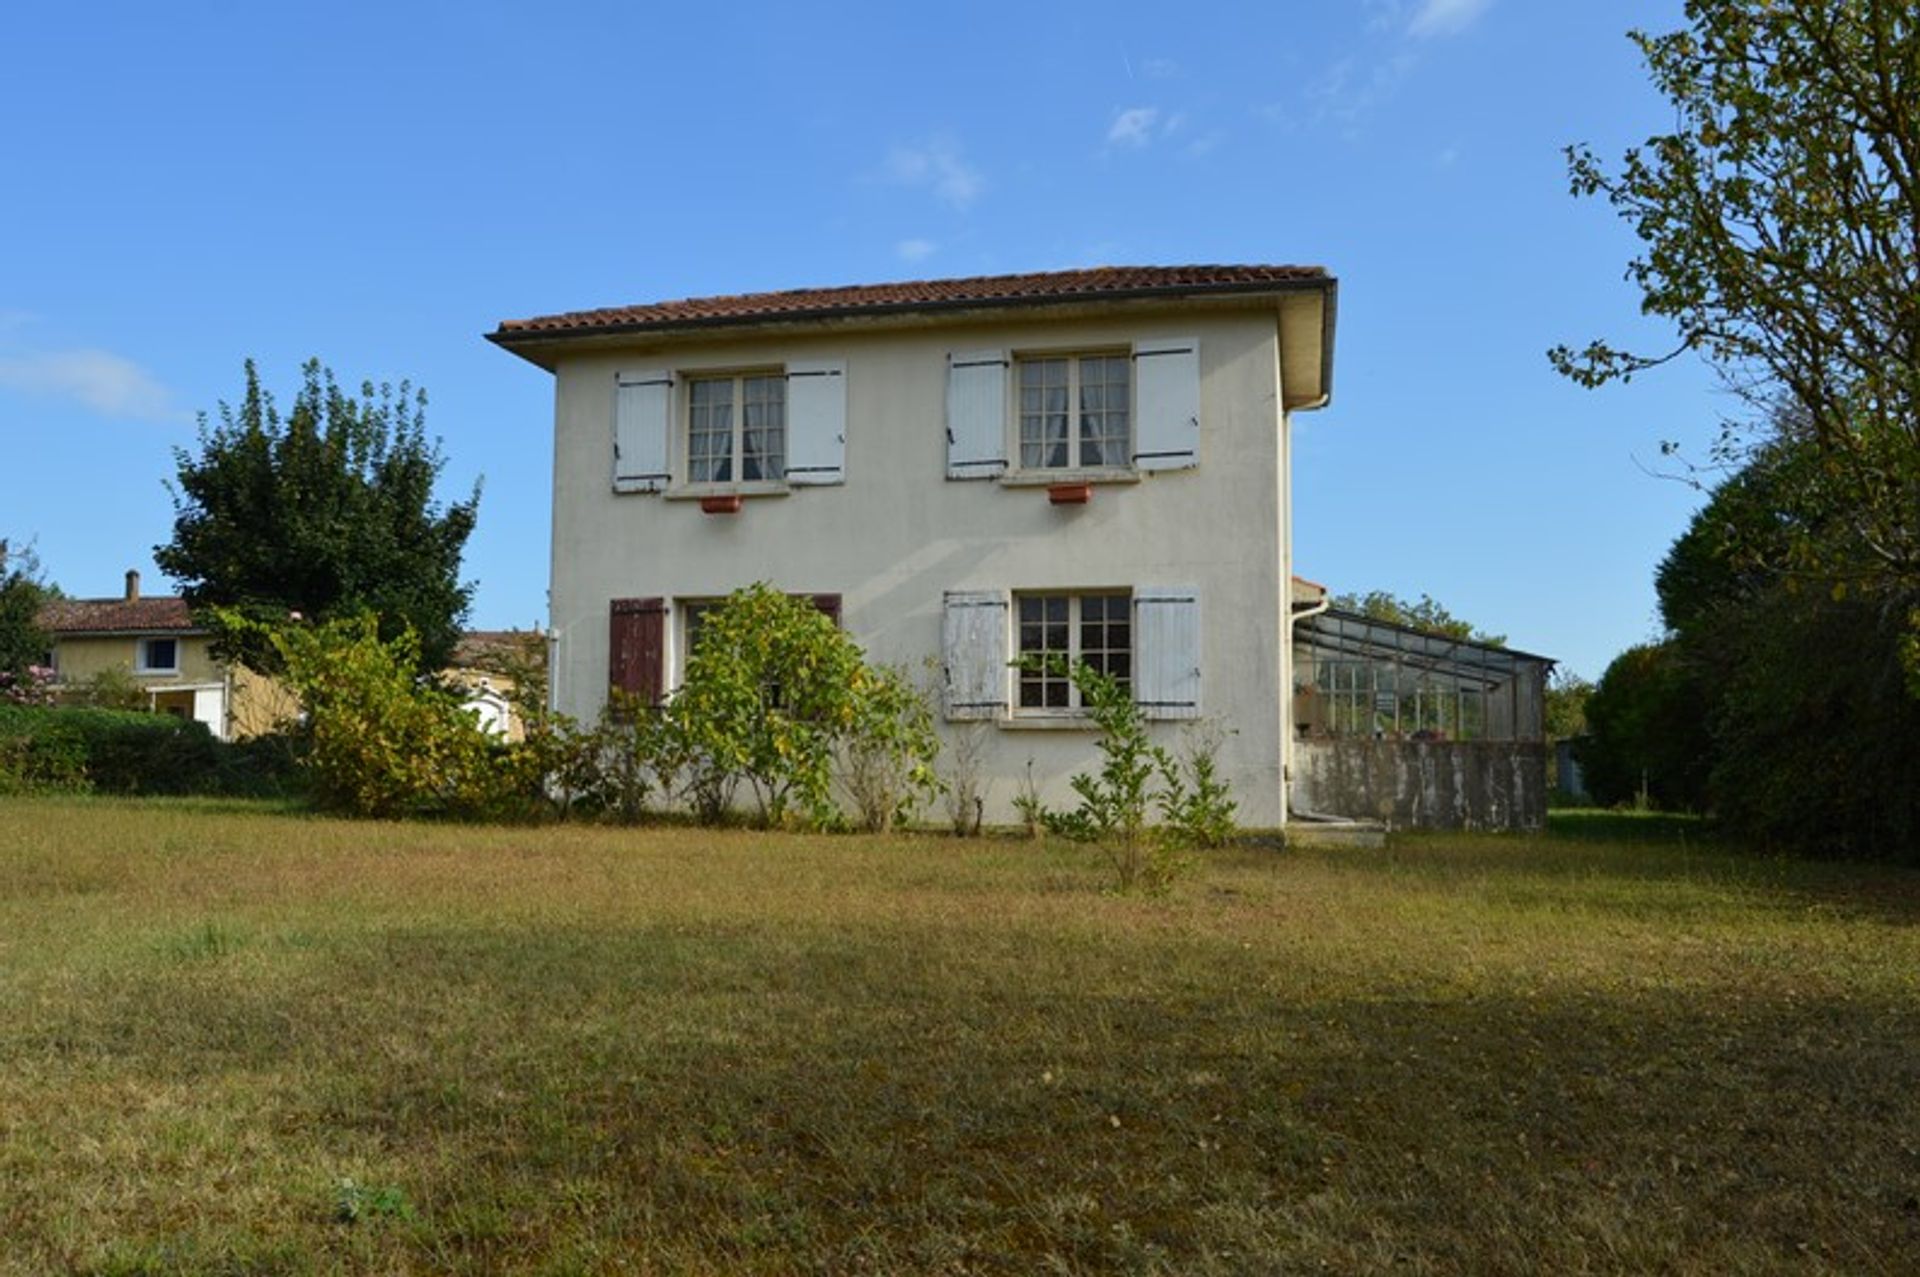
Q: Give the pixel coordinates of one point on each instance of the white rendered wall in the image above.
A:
(898, 533)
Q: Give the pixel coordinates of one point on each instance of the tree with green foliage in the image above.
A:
(326, 511)
(382, 740)
(23, 643)
(775, 693)
(1424, 614)
(1647, 739)
(1781, 225)
(1567, 697)
(1812, 745)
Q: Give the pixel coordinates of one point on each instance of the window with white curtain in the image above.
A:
(737, 428)
(1075, 412)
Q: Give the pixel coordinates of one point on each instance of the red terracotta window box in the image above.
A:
(1070, 493)
(730, 503)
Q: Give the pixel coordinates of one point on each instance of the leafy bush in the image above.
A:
(113, 687)
(1195, 801)
(1647, 740)
(887, 751)
(117, 752)
(1134, 774)
(382, 740)
(777, 696)
(32, 685)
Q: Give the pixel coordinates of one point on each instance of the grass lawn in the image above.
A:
(236, 1040)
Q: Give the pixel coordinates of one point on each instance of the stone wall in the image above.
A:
(1493, 785)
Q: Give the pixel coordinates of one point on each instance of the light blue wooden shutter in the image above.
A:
(974, 649)
(817, 421)
(1166, 636)
(643, 406)
(976, 414)
(1166, 433)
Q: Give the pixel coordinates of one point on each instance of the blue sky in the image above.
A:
(191, 184)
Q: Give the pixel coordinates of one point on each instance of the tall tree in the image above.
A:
(23, 644)
(1781, 222)
(327, 510)
(1810, 744)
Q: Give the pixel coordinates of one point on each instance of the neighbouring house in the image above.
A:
(1413, 729)
(155, 641)
(1091, 463)
(487, 668)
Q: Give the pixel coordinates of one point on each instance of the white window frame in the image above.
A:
(1074, 653)
(736, 456)
(143, 665)
(1075, 464)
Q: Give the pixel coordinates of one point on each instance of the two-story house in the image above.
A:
(1090, 463)
(153, 640)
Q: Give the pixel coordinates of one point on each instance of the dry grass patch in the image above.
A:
(243, 1041)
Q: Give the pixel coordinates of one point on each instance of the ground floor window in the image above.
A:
(1095, 628)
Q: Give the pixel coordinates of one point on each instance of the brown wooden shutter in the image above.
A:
(637, 650)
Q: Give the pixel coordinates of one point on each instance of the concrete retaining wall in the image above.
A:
(1497, 785)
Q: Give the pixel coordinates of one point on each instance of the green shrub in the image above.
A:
(113, 687)
(381, 739)
(1647, 740)
(887, 751)
(117, 752)
(778, 697)
(1195, 805)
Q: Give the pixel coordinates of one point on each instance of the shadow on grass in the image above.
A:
(851, 1113)
(1601, 824)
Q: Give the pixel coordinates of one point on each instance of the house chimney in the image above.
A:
(133, 585)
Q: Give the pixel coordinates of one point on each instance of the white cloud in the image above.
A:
(109, 384)
(914, 250)
(1445, 17)
(1347, 92)
(1206, 144)
(1160, 69)
(936, 165)
(1133, 126)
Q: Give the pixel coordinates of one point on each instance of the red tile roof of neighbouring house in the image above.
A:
(488, 649)
(1095, 283)
(162, 613)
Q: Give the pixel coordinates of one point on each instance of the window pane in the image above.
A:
(1104, 635)
(1044, 633)
(1043, 413)
(763, 423)
(710, 431)
(1103, 411)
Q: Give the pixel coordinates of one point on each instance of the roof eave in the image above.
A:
(541, 347)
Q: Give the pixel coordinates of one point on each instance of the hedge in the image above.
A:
(118, 752)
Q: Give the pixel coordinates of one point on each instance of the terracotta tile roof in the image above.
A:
(117, 616)
(487, 649)
(932, 294)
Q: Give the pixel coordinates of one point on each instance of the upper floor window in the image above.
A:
(159, 656)
(1075, 412)
(737, 428)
